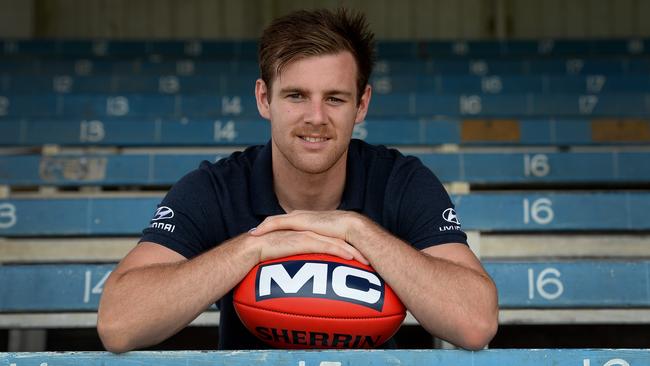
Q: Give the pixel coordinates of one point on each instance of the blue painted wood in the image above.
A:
(496, 357)
(141, 169)
(238, 84)
(392, 49)
(532, 167)
(554, 211)
(133, 131)
(477, 211)
(82, 216)
(475, 168)
(553, 66)
(521, 284)
(48, 288)
(115, 48)
(575, 284)
(396, 105)
(231, 130)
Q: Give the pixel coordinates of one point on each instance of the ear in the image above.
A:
(362, 109)
(262, 98)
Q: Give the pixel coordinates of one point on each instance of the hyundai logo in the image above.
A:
(450, 216)
(163, 213)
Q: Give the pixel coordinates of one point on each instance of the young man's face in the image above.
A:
(313, 111)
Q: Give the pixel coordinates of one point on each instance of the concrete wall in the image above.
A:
(16, 18)
(390, 19)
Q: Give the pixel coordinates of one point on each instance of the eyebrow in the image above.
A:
(291, 89)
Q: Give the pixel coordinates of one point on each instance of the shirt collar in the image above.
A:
(265, 202)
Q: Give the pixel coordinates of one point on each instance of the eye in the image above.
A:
(335, 100)
(295, 96)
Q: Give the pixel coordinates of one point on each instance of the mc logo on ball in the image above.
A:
(329, 280)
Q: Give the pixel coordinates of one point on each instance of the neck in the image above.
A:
(299, 190)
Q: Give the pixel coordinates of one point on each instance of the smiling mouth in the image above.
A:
(314, 139)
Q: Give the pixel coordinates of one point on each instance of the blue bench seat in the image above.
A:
(243, 85)
(125, 214)
(521, 285)
(159, 169)
(232, 130)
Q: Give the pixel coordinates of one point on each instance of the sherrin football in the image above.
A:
(318, 301)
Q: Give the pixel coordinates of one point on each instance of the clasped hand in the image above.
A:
(300, 232)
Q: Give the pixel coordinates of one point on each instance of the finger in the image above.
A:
(280, 222)
(359, 257)
(288, 243)
(302, 243)
(354, 252)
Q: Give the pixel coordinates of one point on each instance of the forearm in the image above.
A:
(449, 300)
(146, 305)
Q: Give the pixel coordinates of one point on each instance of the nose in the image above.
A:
(315, 115)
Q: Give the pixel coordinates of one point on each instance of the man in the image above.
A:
(311, 189)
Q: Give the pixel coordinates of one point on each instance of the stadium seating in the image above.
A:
(152, 131)
(385, 49)
(564, 284)
(126, 214)
(164, 168)
(549, 140)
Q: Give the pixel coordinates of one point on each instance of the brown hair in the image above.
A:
(318, 32)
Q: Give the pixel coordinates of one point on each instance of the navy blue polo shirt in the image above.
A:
(221, 200)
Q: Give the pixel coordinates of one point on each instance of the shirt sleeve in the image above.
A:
(426, 215)
(181, 221)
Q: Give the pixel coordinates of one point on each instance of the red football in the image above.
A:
(318, 301)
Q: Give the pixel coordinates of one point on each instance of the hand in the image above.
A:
(282, 243)
(341, 225)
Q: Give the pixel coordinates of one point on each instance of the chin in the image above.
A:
(313, 167)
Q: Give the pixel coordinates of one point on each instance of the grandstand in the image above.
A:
(543, 145)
